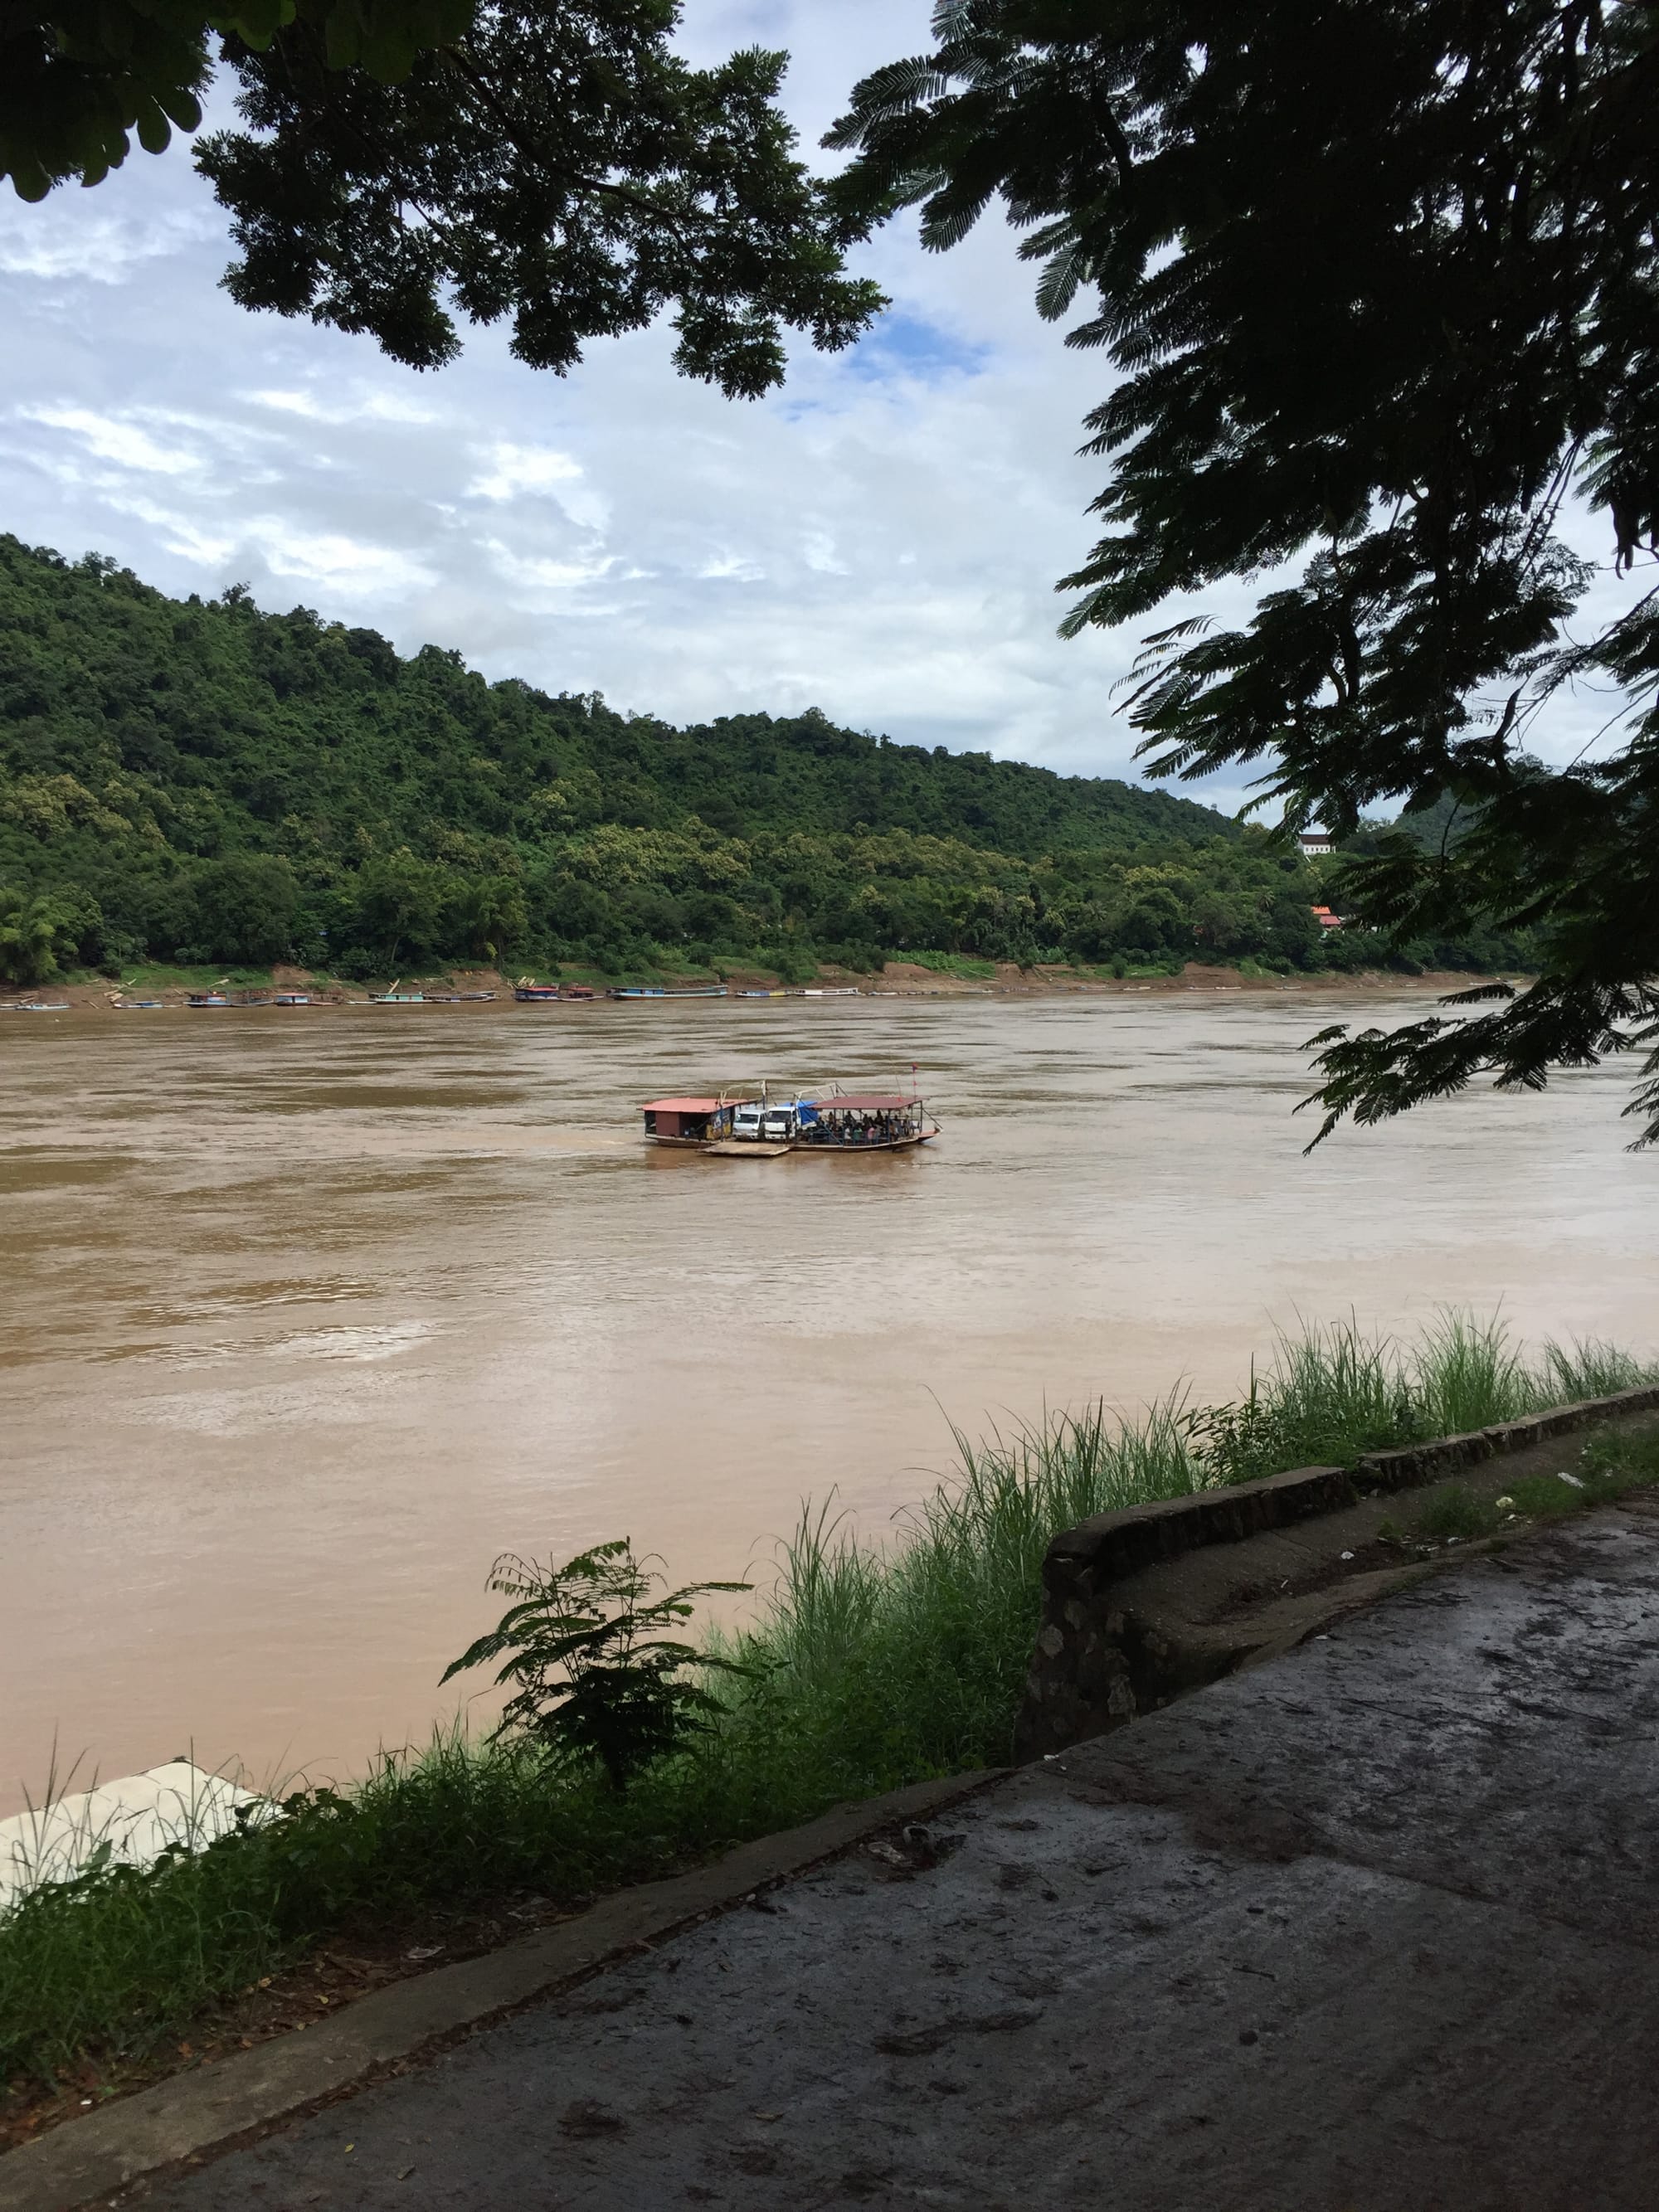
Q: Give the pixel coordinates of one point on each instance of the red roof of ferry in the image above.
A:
(680, 1105)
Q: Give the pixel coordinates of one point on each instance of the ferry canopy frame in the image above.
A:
(866, 1102)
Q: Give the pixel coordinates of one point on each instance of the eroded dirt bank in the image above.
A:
(901, 978)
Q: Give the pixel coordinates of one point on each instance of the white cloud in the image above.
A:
(368, 405)
(345, 562)
(293, 403)
(177, 534)
(730, 568)
(110, 438)
(64, 241)
(818, 551)
(513, 470)
(555, 575)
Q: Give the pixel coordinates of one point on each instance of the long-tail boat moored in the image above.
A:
(688, 1121)
(207, 998)
(536, 994)
(661, 991)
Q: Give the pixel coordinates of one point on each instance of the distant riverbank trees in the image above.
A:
(204, 782)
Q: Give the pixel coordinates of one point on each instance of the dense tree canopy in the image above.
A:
(1380, 281)
(552, 162)
(559, 166)
(79, 79)
(195, 782)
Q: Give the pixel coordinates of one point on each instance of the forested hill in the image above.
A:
(195, 780)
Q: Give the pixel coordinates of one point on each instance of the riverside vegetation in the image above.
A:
(866, 1666)
(192, 782)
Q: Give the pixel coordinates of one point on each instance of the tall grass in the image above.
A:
(1331, 1391)
(877, 1663)
(898, 1661)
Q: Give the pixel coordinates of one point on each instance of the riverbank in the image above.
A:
(951, 978)
(875, 1667)
(1362, 1928)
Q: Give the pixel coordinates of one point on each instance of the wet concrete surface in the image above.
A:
(1372, 1927)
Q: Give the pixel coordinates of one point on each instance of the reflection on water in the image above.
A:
(304, 1319)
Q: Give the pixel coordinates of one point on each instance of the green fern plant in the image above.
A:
(597, 1679)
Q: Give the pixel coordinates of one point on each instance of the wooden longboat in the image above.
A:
(864, 1122)
(661, 991)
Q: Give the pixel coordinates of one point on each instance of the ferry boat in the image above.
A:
(839, 1122)
(207, 998)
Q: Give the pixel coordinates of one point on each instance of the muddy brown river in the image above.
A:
(307, 1314)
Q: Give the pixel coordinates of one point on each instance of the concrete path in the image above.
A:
(1375, 1926)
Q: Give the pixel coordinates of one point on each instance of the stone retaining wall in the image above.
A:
(1081, 1681)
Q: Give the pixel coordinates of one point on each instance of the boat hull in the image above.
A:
(764, 1148)
(884, 1144)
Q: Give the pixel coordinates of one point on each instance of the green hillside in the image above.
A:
(205, 781)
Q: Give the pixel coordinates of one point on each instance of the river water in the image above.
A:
(307, 1314)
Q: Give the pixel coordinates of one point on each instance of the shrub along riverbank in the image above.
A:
(872, 1665)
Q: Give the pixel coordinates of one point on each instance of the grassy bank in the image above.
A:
(877, 1664)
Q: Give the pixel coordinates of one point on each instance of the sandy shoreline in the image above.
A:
(902, 979)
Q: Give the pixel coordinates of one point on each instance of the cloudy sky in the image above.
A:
(880, 539)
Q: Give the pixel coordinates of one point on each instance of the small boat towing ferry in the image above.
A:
(764, 1128)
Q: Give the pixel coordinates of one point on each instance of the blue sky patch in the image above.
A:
(907, 344)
